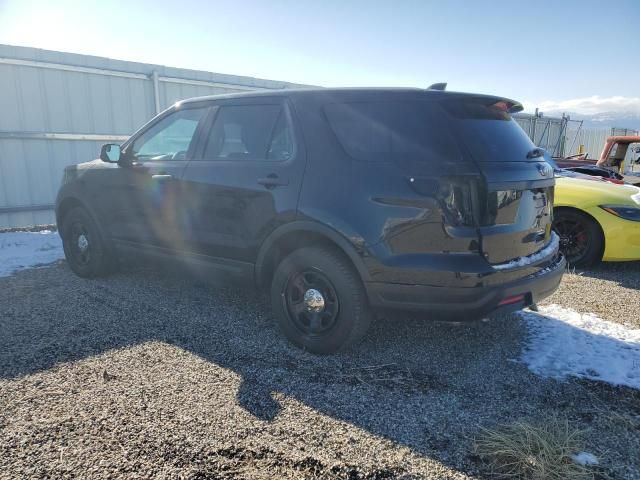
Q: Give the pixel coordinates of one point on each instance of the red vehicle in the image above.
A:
(614, 151)
(609, 166)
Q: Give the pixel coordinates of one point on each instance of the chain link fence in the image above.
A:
(549, 133)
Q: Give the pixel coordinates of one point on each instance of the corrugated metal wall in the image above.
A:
(592, 140)
(57, 109)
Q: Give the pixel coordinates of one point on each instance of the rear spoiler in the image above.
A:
(480, 106)
(509, 106)
(503, 104)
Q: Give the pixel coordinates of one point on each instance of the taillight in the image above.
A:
(511, 300)
(457, 205)
(455, 196)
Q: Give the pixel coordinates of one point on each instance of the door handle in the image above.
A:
(162, 176)
(272, 181)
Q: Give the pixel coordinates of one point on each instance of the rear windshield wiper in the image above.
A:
(535, 153)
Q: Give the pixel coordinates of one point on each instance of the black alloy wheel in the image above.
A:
(80, 244)
(319, 300)
(311, 302)
(84, 247)
(581, 238)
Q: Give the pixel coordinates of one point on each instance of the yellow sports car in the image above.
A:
(596, 220)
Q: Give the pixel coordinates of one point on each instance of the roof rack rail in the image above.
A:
(438, 86)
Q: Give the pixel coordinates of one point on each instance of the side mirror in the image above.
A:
(110, 153)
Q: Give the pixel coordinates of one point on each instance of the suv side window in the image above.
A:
(170, 138)
(391, 130)
(250, 132)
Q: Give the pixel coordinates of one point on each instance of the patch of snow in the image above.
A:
(541, 254)
(20, 250)
(585, 458)
(563, 342)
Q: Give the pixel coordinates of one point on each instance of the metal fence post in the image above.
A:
(533, 127)
(156, 91)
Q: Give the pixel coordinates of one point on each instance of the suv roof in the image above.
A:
(345, 93)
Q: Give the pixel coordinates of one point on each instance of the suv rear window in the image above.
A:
(489, 131)
(378, 131)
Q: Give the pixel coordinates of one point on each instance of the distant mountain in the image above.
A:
(609, 119)
(596, 111)
(602, 120)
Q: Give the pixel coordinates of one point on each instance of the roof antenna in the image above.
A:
(438, 86)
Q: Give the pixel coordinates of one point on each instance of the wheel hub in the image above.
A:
(574, 240)
(83, 243)
(313, 301)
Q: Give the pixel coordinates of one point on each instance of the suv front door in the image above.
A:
(245, 178)
(151, 180)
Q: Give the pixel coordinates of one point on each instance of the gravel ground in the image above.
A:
(150, 374)
(610, 290)
(33, 228)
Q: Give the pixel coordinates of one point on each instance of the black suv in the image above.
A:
(340, 201)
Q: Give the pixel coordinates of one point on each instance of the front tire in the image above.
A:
(581, 238)
(319, 301)
(84, 247)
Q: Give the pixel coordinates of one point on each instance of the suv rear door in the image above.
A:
(245, 178)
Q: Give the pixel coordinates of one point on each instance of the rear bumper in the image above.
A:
(469, 303)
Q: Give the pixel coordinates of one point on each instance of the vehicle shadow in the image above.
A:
(625, 274)
(409, 381)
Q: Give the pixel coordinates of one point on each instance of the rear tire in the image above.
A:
(581, 238)
(84, 247)
(336, 319)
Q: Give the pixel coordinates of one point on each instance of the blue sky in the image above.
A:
(555, 54)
